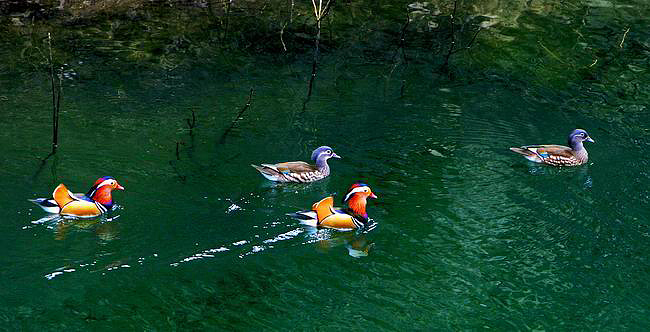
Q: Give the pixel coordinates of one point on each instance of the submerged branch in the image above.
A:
(239, 115)
(550, 52)
(56, 98)
(56, 107)
(319, 14)
(445, 65)
(191, 124)
(467, 47)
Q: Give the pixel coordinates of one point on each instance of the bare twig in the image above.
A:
(622, 40)
(239, 115)
(227, 25)
(178, 144)
(284, 46)
(191, 124)
(314, 69)
(470, 42)
(180, 176)
(56, 98)
(319, 14)
(550, 52)
(56, 106)
(453, 36)
(402, 39)
(400, 50)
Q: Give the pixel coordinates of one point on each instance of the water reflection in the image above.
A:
(356, 243)
(103, 226)
(579, 174)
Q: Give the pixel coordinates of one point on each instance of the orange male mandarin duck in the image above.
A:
(96, 201)
(353, 216)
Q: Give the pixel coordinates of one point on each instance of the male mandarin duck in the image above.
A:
(558, 155)
(95, 202)
(300, 171)
(353, 216)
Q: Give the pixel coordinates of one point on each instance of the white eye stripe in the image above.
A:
(355, 190)
(105, 183)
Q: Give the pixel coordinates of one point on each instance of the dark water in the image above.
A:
(469, 236)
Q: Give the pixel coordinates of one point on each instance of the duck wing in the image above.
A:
(292, 167)
(293, 171)
(49, 205)
(541, 153)
(74, 206)
(330, 217)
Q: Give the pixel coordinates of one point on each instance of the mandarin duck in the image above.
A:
(352, 216)
(559, 155)
(299, 171)
(95, 202)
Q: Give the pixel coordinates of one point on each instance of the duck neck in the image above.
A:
(103, 196)
(322, 165)
(579, 151)
(357, 205)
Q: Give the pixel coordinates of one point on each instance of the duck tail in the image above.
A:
(258, 168)
(303, 215)
(62, 195)
(267, 172)
(523, 151)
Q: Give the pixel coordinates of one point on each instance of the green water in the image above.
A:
(469, 236)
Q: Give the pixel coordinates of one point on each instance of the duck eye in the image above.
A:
(328, 151)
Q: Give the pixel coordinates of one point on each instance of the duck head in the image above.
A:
(323, 153)
(356, 198)
(101, 190)
(577, 137)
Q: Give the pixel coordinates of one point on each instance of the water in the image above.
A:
(469, 235)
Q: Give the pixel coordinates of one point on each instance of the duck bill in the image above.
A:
(589, 139)
(334, 155)
(119, 187)
(372, 195)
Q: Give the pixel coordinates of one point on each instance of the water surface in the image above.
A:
(469, 236)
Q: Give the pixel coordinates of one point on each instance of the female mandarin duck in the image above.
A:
(95, 202)
(353, 216)
(558, 155)
(300, 171)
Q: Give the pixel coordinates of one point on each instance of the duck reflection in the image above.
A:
(102, 226)
(356, 243)
(581, 174)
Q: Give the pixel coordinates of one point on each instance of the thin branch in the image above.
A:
(402, 39)
(550, 52)
(191, 124)
(180, 176)
(453, 35)
(239, 115)
(622, 40)
(56, 98)
(178, 144)
(319, 13)
(284, 46)
(470, 42)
